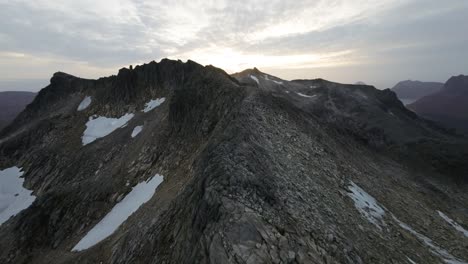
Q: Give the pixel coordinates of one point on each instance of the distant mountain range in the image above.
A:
(11, 104)
(449, 106)
(410, 91)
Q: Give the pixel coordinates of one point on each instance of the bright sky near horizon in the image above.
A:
(377, 42)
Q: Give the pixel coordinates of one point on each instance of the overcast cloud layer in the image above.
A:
(378, 42)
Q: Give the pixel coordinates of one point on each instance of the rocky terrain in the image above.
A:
(449, 106)
(175, 162)
(11, 104)
(410, 91)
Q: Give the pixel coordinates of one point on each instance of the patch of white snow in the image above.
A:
(84, 104)
(152, 104)
(102, 126)
(453, 224)
(268, 79)
(255, 79)
(436, 250)
(13, 196)
(411, 261)
(140, 194)
(136, 131)
(366, 205)
(305, 95)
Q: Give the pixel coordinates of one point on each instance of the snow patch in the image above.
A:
(152, 104)
(366, 205)
(140, 194)
(305, 95)
(136, 131)
(255, 79)
(84, 104)
(313, 86)
(102, 126)
(453, 224)
(13, 196)
(268, 79)
(436, 250)
(411, 261)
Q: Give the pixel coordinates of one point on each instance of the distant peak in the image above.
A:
(60, 74)
(254, 70)
(61, 77)
(457, 84)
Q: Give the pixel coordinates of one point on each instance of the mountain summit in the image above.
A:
(175, 162)
(410, 91)
(449, 106)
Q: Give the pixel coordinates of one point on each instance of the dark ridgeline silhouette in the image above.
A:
(449, 106)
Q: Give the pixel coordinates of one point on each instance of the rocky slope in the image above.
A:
(449, 106)
(11, 104)
(256, 170)
(410, 91)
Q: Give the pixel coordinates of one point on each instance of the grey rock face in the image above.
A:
(256, 170)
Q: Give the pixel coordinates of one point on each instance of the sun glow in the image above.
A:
(233, 61)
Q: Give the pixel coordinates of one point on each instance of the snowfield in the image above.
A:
(453, 224)
(102, 126)
(152, 104)
(85, 103)
(13, 196)
(140, 194)
(366, 205)
(255, 79)
(136, 131)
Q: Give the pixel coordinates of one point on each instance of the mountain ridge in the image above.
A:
(448, 106)
(256, 169)
(410, 91)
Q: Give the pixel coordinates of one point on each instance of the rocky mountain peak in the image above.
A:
(176, 162)
(457, 84)
(409, 91)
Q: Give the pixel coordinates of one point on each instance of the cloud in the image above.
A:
(94, 38)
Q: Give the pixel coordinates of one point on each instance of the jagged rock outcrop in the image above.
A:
(256, 170)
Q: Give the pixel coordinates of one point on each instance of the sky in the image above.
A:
(379, 42)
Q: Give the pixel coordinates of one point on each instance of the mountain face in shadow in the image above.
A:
(449, 106)
(174, 162)
(410, 91)
(11, 104)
